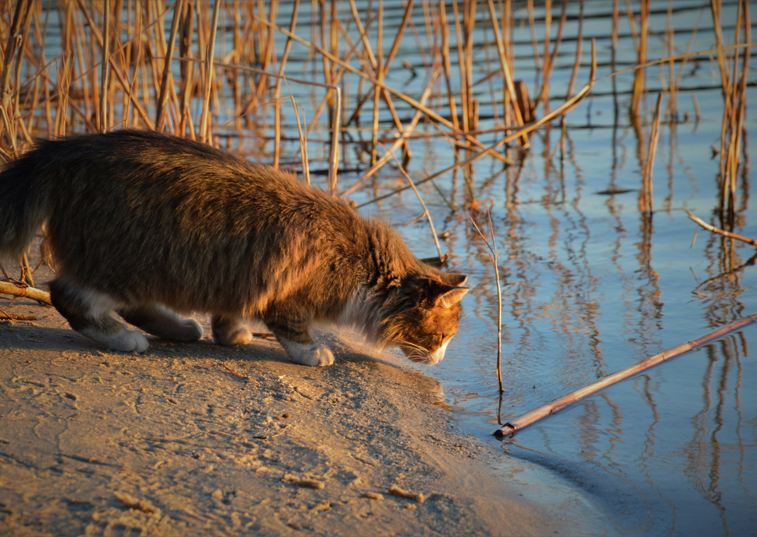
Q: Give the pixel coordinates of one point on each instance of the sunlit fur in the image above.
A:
(143, 224)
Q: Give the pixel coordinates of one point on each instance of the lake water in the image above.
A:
(590, 284)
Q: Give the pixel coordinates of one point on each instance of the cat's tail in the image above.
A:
(24, 204)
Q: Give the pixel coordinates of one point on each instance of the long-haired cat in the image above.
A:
(144, 224)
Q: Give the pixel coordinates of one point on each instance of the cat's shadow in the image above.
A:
(47, 344)
(33, 338)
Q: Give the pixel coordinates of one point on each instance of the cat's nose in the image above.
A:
(438, 355)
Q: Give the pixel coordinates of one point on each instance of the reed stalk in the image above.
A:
(379, 78)
(426, 213)
(646, 194)
(641, 52)
(105, 69)
(734, 96)
(6, 95)
(277, 92)
(722, 232)
(178, 12)
(205, 134)
(25, 291)
(187, 70)
(509, 83)
(303, 145)
(494, 256)
(529, 418)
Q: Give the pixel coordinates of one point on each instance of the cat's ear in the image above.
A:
(456, 280)
(449, 296)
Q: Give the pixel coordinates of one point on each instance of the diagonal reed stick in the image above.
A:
(510, 428)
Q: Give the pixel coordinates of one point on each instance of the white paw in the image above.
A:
(192, 330)
(240, 336)
(128, 341)
(314, 355)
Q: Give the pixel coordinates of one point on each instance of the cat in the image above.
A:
(145, 224)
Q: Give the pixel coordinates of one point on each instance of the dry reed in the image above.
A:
(494, 256)
(531, 417)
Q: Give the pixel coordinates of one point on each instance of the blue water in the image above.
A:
(591, 287)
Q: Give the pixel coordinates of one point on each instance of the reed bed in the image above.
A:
(116, 67)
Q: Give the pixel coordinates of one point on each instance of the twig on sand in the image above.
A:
(510, 428)
(5, 316)
(10, 288)
(719, 231)
(243, 377)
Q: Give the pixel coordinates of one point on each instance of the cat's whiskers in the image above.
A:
(417, 353)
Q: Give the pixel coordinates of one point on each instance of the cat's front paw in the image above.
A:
(191, 330)
(314, 355)
(321, 356)
(232, 338)
(128, 341)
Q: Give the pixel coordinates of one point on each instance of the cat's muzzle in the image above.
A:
(423, 356)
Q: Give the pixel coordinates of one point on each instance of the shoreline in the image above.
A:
(198, 439)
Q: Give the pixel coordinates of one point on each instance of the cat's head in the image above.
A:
(422, 315)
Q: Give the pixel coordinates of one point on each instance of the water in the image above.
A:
(590, 284)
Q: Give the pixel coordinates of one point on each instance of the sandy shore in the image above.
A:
(197, 439)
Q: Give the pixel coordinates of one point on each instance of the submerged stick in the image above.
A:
(511, 427)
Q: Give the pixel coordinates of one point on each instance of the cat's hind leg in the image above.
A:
(299, 346)
(162, 322)
(230, 330)
(89, 312)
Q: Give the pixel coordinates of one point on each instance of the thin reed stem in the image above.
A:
(205, 134)
(494, 256)
(646, 201)
(178, 12)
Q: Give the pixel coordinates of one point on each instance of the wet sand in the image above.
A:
(197, 439)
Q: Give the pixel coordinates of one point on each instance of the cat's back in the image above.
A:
(164, 179)
(130, 159)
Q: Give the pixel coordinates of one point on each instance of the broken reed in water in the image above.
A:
(511, 427)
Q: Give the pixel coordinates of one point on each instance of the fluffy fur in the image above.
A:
(145, 224)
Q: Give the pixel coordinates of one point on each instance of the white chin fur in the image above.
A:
(430, 358)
